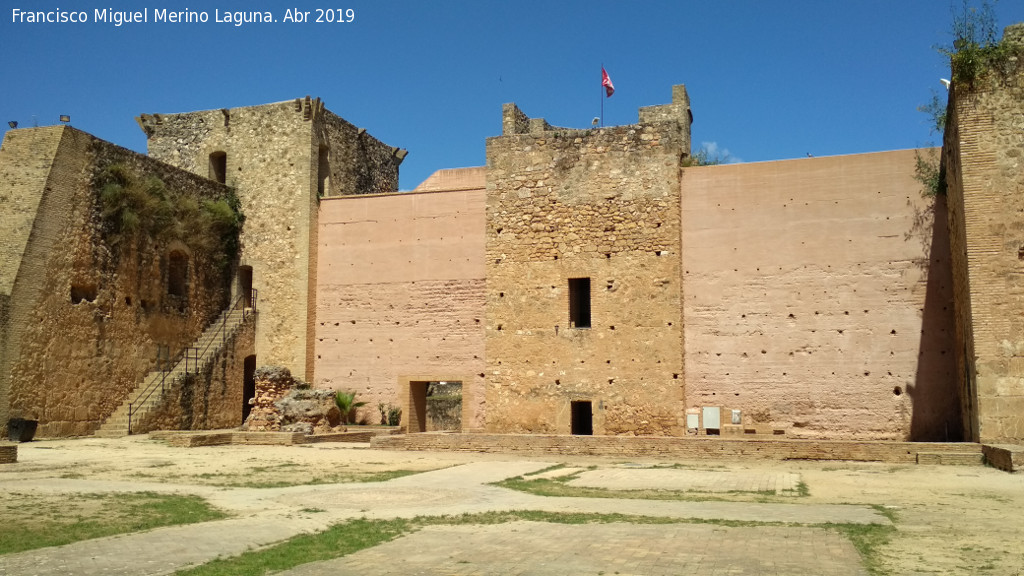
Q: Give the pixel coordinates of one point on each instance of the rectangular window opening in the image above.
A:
(579, 302)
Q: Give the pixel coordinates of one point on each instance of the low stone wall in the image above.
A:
(1005, 457)
(195, 440)
(353, 436)
(8, 453)
(690, 448)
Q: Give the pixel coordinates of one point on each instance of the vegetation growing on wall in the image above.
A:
(136, 209)
(929, 171)
(706, 157)
(976, 49)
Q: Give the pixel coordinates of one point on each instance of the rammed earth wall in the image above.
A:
(818, 298)
(401, 292)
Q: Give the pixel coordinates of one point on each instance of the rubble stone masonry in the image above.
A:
(983, 156)
(82, 321)
(601, 204)
(281, 158)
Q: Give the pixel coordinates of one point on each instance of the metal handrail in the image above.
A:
(192, 354)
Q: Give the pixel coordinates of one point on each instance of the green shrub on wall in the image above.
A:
(976, 50)
(136, 210)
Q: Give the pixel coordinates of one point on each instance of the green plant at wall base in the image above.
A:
(346, 403)
(390, 415)
(394, 415)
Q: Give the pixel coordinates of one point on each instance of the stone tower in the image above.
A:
(281, 159)
(584, 286)
(983, 154)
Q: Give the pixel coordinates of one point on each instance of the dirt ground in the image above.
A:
(949, 519)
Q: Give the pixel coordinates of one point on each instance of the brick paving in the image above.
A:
(265, 516)
(543, 549)
(687, 480)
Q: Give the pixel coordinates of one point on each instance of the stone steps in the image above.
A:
(973, 458)
(150, 393)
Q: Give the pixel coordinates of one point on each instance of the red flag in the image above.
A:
(609, 88)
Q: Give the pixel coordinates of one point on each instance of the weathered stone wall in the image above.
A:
(400, 292)
(284, 404)
(819, 298)
(601, 204)
(268, 161)
(359, 163)
(211, 399)
(273, 159)
(26, 158)
(85, 319)
(983, 152)
(272, 384)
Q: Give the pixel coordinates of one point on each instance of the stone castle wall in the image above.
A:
(86, 319)
(26, 159)
(212, 399)
(982, 155)
(401, 292)
(818, 298)
(268, 161)
(274, 160)
(359, 163)
(601, 204)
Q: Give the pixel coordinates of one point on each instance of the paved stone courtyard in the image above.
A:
(544, 549)
(728, 526)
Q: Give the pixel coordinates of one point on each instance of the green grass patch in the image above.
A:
(868, 539)
(558, 487)
(802, 490)
(32, 521)
(353, 536)
(276, 476)
(234, 481)
(337, 541)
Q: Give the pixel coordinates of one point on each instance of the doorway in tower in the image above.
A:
(582, 418)
(248, 385)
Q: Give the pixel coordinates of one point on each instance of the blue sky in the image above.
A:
(767, 80)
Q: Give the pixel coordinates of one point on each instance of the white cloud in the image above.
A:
(723, 154)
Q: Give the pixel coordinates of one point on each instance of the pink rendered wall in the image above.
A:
(400, 292)
(818, 299)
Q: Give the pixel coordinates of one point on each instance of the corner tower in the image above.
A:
(985, 184)
(281, 159)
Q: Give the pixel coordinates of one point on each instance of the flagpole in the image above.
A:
(602, 95)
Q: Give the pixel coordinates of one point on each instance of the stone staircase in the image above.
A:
(150, 393)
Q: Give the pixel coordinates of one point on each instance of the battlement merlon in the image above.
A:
(678, 110)
(514, 121)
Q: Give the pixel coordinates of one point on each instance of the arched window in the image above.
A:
(219, 167)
